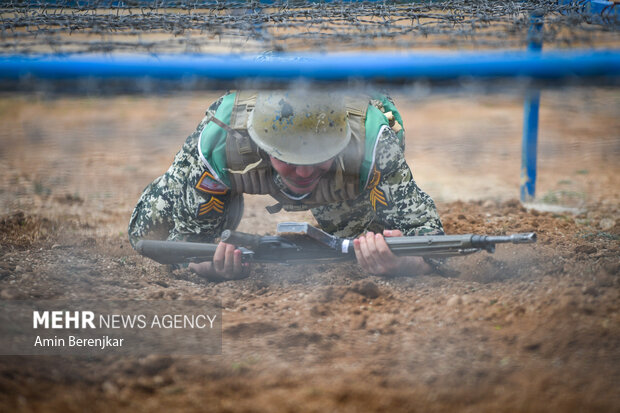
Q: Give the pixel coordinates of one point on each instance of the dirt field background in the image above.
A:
(530, 328)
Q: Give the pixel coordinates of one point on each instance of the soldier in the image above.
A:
(340, 157)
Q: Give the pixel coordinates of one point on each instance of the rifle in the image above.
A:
(298, 242)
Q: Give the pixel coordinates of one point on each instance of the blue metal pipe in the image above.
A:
(389, 67)
(529, 149)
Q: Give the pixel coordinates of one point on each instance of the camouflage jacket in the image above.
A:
(184, 203)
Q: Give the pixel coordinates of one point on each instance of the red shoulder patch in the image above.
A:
(208, 184)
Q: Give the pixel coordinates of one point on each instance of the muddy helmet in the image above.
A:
(300, 127)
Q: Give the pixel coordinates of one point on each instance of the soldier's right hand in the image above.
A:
(226, 265)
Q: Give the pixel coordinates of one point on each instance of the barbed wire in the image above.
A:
(191, 26)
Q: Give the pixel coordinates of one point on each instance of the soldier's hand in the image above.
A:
(374, 255)
(226, 265)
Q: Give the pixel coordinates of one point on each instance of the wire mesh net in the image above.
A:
(190, 26)
(463, 137)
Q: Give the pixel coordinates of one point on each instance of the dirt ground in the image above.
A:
(529, 328)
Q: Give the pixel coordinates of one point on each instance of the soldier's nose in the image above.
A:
(304, 171)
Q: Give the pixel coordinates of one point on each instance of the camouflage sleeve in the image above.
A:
(397, 200)
(174, 207)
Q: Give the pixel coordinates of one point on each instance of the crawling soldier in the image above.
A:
(339, 156)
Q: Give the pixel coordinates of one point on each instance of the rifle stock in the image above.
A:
(176, 252)
(301, 242)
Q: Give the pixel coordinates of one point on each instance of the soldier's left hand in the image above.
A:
(374, 255)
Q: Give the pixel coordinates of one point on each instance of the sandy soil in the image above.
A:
(530, 328)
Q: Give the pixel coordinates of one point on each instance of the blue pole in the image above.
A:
(557, 64)
(529, 147)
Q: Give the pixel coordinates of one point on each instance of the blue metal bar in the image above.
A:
(529, 150)
(387, 67)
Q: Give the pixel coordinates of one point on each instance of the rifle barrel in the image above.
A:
(522, 238)
(453, 244)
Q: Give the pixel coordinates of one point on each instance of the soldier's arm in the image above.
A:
(165, 208)
(176, 207)
(400, 206)
(398, 201)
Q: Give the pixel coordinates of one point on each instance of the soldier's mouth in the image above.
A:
(303, 184)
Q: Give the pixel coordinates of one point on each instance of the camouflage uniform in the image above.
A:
(170, 206)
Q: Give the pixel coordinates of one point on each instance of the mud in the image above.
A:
(529, 328)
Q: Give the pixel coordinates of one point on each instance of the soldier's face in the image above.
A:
(301, 179)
